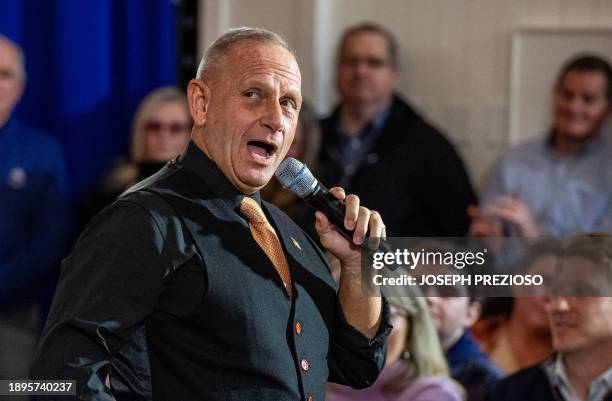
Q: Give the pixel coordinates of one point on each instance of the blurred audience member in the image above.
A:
(160, 132)
(518, 338)
(581, 326)
(415, 369)
(377, 147)
(518, 335)
(305, 147)
(559, 184)
(453, 315)
(34, 218)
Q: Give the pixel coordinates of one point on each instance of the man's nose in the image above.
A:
(558, 304)
(362, 68)
(575, 104)
(273, 116)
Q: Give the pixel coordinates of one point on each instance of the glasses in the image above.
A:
(174, 128)
(371, 62)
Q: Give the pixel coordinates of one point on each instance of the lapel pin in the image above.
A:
(297, 244)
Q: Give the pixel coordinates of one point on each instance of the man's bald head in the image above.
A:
(245, 104)
(210, 62)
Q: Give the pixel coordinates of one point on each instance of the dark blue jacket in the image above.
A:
(529, 384)
(471, 367)
(34, 223)
(411, 175)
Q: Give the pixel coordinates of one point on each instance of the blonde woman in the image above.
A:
(161, 127)
(416, 369)
(160, 131)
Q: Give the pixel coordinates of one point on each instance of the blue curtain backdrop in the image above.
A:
(89, 63)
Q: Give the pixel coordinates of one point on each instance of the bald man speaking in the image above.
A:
(190, 287)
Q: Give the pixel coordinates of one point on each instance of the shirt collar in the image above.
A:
(555, 370)
(557, 373)
(8, 134)
(372, 128)
(193, 159)
(603, 383)
(598, 142)
(595, 144)
(381, 118)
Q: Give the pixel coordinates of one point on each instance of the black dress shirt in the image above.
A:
(168, 294)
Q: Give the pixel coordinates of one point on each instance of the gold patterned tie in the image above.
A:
(266, 237)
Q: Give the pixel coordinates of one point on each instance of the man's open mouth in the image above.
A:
(261, 148)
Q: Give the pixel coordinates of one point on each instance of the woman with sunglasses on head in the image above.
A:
(161, 130)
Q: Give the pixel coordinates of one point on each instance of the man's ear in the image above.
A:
(198, 98)
(474, 309)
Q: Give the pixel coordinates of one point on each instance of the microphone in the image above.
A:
(297, 178)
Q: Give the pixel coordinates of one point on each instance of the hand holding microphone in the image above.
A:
(351, 220)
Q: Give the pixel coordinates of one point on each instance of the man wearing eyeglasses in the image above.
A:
(379, 148)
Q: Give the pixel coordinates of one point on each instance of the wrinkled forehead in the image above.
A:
(252, 58)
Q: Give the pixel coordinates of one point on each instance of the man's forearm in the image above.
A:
(362, 311)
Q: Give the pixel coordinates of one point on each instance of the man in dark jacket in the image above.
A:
(581, 327)
(379, 148)
(189, 287)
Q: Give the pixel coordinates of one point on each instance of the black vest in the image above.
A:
(249, 347)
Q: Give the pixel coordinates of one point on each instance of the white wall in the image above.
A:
(455, 53)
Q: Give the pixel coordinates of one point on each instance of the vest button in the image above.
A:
(298, 327)
(305, 365)
(309, 398)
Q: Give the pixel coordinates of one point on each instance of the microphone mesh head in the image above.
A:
(295, 176)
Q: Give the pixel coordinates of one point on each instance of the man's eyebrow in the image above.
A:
(292, 90)
(255, 82)
(296, 94)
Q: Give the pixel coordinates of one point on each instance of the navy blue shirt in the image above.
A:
(33, 216)
(471, 367)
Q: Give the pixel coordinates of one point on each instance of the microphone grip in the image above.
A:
(322, 200)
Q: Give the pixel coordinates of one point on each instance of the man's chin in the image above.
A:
(564, 345)
(253, 183)
(579, 134)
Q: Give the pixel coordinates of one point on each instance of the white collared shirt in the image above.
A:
(557, 374)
